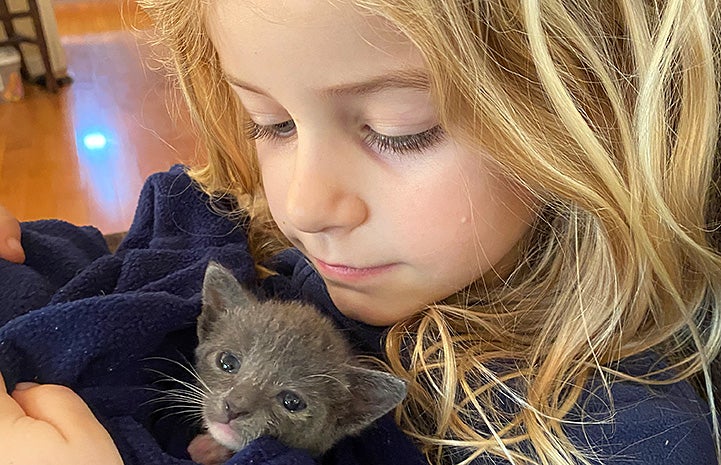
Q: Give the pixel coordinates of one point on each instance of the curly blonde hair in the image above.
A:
(607, 111)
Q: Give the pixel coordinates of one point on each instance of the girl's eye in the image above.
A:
(291, 401)
(390, 145)
(401, 145)
(228, 362)
(257, 131)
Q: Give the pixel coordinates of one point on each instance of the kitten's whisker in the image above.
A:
(183, 394)
(178, 396)
(186, 418)
(181, 408)
(199, 394)
(151, 389)
(190, 386)
(198, 403)
(183, 399)
(189, 369)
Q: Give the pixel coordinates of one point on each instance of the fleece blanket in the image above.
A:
(112, 326)
(107, 324)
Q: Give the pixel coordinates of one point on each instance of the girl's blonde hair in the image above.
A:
(607, 111)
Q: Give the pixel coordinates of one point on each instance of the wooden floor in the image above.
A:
(82, 154)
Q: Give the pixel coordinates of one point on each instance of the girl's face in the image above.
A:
(392, 212)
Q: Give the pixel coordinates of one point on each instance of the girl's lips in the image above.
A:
(349, 273)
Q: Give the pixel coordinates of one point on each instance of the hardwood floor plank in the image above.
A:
(80, 17)
(83, 154)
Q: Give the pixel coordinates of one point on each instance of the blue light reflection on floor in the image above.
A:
(98, 149)
(95, 141)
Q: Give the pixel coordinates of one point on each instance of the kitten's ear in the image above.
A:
(375, 393)
(221, 292)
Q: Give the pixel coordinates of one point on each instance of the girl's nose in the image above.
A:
(322, 195)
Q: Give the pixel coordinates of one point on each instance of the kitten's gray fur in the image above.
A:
(282, 347)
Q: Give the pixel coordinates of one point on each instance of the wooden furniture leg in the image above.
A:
(15, 39)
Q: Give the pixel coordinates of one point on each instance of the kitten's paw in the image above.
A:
(205, 450)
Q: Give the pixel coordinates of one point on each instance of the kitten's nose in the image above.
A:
(233, 412)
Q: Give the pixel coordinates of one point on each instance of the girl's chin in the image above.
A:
(368, 309)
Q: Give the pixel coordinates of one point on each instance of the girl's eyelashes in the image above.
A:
(257, 131)
(401, 145)
(381, 143)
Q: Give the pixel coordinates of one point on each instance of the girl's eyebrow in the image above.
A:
(397, 79)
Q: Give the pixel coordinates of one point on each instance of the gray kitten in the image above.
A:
(278, 369)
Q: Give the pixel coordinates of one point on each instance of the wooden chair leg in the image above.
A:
(6, 19)
(9, 27)
(51, 82)
(14, 39)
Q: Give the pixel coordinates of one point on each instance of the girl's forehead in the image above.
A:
(319, 42)
(310, 12)
(329, 17)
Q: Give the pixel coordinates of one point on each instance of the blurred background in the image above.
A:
(81, 153)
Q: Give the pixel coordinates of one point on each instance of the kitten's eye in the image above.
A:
(291, 401)
(228, 362)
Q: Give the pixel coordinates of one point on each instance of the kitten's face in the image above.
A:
(282, 370)
(271, 371)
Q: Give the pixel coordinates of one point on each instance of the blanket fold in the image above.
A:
(114, 327)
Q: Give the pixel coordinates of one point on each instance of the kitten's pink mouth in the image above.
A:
(224, 434)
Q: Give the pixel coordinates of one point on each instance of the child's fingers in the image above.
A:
(60, 407)
(3, 388)
(10, 247)
(69, 428)
(13, 251)
(9, 408)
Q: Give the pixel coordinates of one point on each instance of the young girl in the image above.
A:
(521, 193)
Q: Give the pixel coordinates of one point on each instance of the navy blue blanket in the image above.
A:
(106, 324)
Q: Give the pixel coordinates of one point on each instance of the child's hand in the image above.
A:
(51, 424)
(10, 248)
